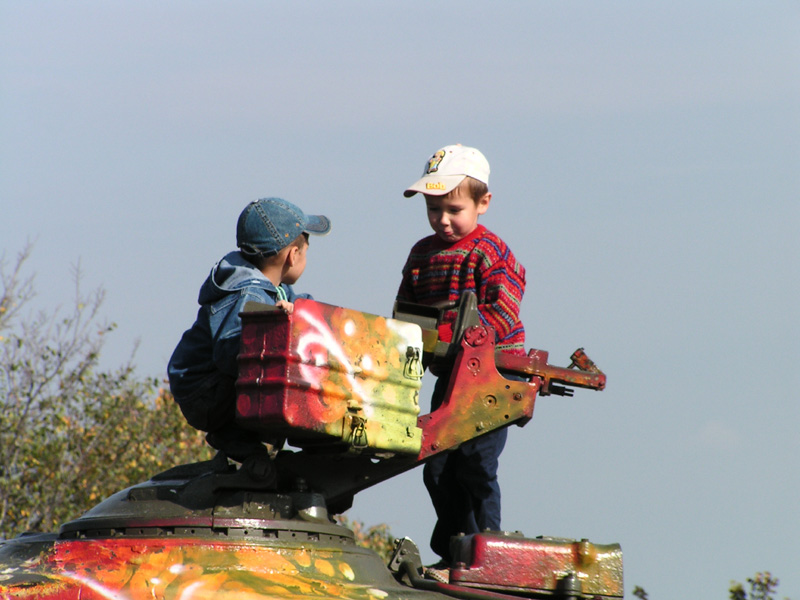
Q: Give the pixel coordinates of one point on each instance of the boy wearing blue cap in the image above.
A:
(272, 236)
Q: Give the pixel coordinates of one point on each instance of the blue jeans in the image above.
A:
(463, 484)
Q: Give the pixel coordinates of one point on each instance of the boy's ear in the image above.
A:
(483, 202)
(291, 255)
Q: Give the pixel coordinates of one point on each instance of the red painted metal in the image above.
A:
(478, 398)
(512, 563)
(327, 374)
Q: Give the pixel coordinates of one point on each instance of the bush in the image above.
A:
(377, 538)
(70, 432)
(762, 587)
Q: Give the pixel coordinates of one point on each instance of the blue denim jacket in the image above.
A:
(207, 351)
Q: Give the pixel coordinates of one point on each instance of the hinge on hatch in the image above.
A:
(358, 432)
(413, 367)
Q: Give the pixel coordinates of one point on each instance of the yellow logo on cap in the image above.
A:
(434, 162)
(434, 186)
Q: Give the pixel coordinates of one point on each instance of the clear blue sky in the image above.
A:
(645, 168)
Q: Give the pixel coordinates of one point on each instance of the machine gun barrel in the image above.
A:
(582, 372)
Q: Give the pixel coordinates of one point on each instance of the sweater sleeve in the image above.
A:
(499, 286)
(500, 296)
(406, 290)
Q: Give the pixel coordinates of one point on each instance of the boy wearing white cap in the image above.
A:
(272, 236)
(463, 256)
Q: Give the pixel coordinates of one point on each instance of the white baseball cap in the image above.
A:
(447, 168)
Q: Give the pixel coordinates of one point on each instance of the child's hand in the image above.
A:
(287, 307)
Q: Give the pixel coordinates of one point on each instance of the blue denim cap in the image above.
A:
(268, 225)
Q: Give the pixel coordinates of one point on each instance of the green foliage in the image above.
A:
(762, 587)
(639, 592)
(71, 433)
(377, 538)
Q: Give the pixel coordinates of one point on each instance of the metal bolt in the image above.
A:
(476, 335)
(569, 586)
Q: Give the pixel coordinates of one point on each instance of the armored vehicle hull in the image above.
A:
(263, 528)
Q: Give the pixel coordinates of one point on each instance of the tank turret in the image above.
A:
(342, 387)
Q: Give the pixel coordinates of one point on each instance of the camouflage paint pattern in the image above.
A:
(326, 373)
(183, 569)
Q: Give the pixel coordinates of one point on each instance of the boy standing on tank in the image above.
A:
(463, 256)
(272, 236)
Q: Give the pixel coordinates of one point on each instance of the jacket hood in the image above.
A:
(231, 273)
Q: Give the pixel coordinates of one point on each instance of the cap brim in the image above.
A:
(317, 225)
(434, 185)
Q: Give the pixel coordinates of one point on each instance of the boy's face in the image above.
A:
(454, 216)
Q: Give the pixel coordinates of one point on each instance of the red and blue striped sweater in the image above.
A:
(436, 273)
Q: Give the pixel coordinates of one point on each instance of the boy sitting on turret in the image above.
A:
(272, 236)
